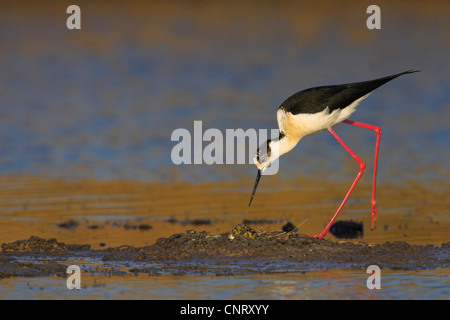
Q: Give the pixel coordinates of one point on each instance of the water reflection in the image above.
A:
(336, 284)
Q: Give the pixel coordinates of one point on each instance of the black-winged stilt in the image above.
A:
(318, 109)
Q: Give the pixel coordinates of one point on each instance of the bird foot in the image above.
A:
(373, 206)
(319, 236)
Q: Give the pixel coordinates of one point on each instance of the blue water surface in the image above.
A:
(103, 101)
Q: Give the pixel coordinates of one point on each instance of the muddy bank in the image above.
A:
(240, 251)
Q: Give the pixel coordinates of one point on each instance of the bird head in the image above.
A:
(268, 153)
(264, 156)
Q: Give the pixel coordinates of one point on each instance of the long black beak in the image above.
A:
(258, 176)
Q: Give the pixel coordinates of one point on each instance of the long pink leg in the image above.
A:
(377, 130)
(362, 166)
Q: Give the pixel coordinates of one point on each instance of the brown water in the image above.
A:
(86, 119)
(112, 213)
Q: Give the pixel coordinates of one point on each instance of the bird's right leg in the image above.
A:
(377, 147)
(362, 167)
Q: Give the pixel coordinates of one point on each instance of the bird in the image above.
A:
(319, 109)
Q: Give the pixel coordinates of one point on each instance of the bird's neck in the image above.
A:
(283, 145)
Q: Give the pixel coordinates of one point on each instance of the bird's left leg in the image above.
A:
(377, 130)
(362, 166)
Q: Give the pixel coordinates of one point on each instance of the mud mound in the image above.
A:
(37, 244)
(242, 250)
(242, 241)
(294, 246)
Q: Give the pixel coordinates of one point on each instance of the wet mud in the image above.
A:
(242, 250)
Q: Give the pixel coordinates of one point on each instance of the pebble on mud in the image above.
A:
(142, 227)
(288, 227)
(69, 224)
(347, 229)
(242, 230)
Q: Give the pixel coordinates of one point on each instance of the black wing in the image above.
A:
(316, 99)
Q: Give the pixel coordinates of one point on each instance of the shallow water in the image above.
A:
(112, 213)
(332, 284)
